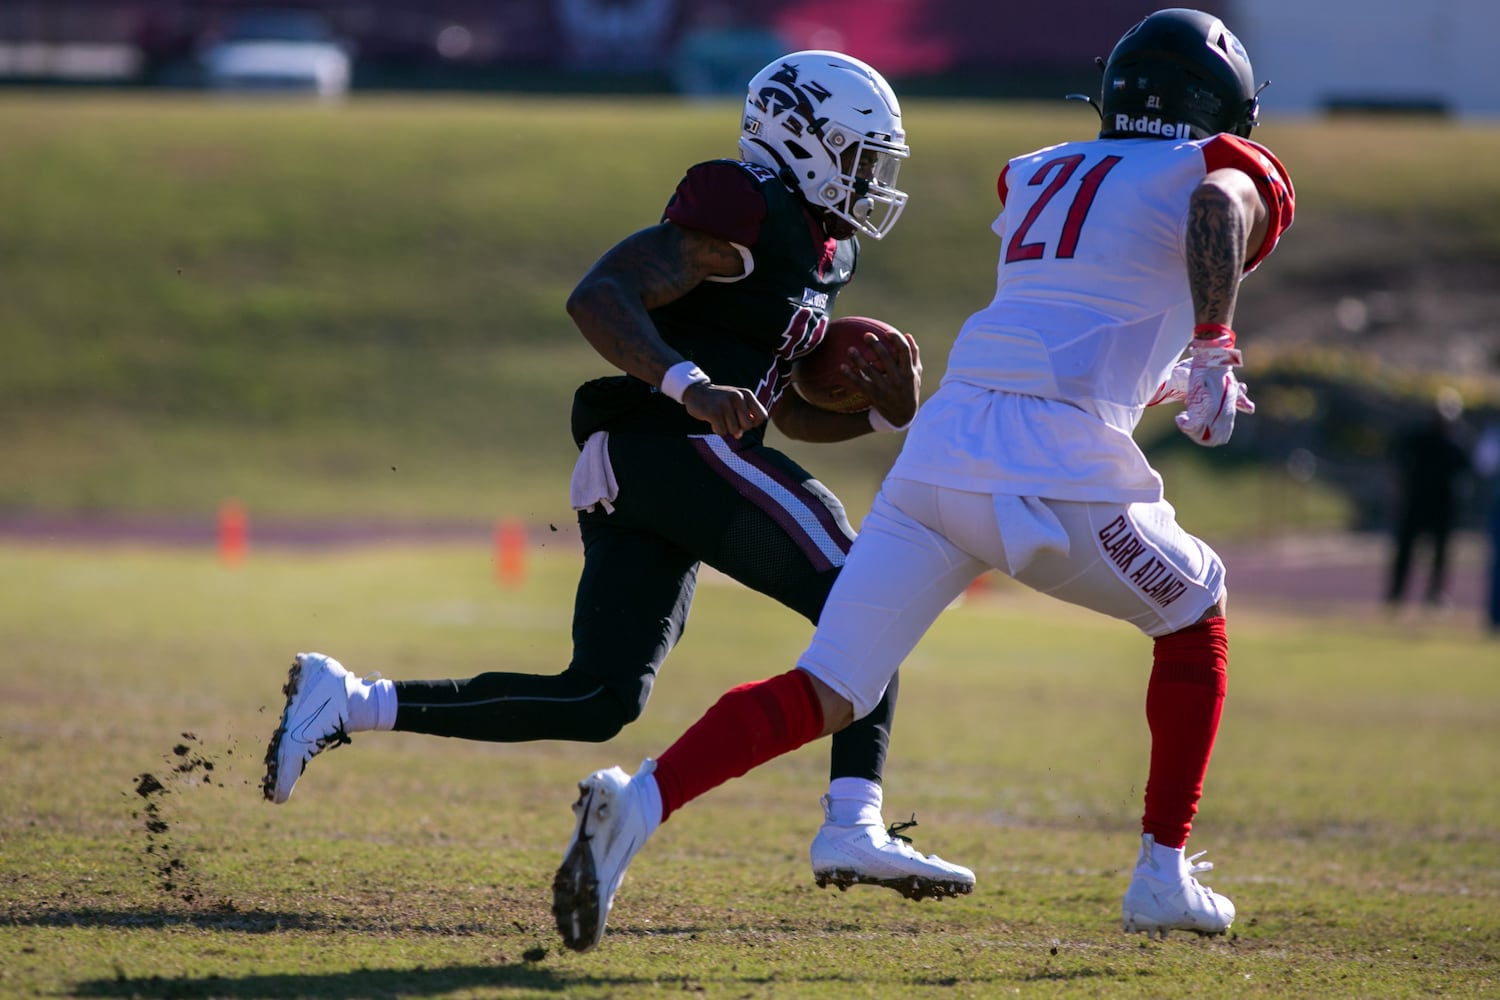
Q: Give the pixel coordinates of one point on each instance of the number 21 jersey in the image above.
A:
(1091, 310)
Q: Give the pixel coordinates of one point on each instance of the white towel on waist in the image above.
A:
(593, 478)
(1027, 526)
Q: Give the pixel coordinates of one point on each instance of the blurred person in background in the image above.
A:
(1431, 462)
(1117, 254)
(1487, 467)
(704, 313)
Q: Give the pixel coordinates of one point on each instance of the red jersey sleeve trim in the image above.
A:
(1270, 177)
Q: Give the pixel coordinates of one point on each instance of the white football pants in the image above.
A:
(922, 545)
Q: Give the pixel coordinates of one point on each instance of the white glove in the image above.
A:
(1175, 389)
(1213, 393)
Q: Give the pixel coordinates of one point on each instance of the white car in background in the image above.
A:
(278, 52)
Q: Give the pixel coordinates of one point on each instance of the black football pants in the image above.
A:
(749, 512)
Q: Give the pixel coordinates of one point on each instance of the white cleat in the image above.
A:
(869, 854)
(612, 827)
(316, 717)
(1161, 900)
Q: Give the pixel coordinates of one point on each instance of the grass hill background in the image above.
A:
(358, 311)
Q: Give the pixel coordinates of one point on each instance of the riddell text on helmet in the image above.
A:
(1152, 126)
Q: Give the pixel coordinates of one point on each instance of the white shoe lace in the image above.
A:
(1194, 866)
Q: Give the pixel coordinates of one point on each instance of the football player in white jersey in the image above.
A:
(1117, 256)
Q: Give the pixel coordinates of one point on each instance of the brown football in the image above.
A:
(816, 375)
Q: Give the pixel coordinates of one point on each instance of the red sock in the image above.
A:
(1183, 702)
(748, 726)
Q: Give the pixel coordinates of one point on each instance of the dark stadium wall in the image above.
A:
(979, 46)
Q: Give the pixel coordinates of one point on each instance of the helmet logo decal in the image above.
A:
(789, 97)
(1236, 45)
(1200, 99)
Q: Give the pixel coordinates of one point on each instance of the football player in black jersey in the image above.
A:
(704, 313)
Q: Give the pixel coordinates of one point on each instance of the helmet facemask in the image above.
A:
(830, 127)
(863, 192)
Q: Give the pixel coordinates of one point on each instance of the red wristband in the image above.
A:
(1213, 331)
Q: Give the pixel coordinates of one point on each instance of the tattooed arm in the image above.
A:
(648, 269)
(1227, 222)
(645, 271)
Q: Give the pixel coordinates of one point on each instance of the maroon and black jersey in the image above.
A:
(742, 331)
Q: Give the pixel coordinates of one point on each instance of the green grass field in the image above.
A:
(1350, 807)
(357, 313)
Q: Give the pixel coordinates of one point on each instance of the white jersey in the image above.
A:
(1045, 385)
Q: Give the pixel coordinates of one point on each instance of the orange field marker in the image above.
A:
(234, 533)
(510, 552)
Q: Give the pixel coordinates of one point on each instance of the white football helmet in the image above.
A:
(829, 125)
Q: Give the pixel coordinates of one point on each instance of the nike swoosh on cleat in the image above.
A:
(298, 730)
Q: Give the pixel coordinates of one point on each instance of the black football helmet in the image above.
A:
(1178, 74)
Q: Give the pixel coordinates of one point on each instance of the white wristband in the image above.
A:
(883, 425)
(681, 375)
